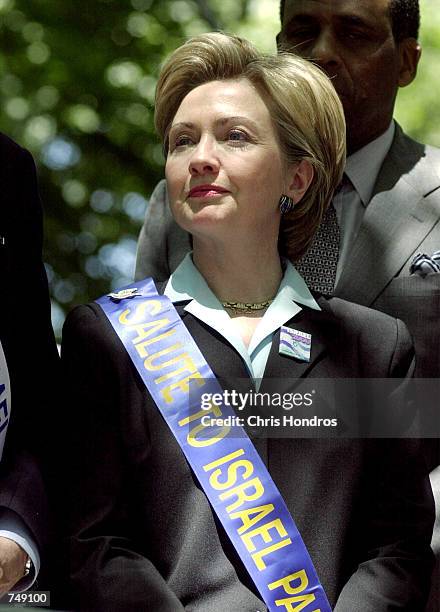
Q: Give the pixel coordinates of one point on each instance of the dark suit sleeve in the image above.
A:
(27, 339)
(399, 516)
(25, 312)
(22, 491)
(108, 569)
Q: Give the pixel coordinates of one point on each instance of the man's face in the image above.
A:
(353, 42)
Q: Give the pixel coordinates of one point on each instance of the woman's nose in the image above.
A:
(204, 159)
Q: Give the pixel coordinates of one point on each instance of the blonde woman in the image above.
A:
(254, 149)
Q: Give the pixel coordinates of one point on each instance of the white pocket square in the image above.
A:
(423, 264)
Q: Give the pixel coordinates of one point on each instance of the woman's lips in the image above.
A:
(206, 191)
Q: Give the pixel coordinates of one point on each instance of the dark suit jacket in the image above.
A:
(27, 338)
(143, 536)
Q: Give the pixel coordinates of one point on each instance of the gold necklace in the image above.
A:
(247, 306)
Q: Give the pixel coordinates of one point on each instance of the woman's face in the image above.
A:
(224, 169)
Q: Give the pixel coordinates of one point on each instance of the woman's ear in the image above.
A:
(300, 177)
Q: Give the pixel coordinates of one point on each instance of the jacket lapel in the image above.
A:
(399, 216)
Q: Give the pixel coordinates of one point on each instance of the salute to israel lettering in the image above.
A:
(300, 601)
(153, 361)
(251, 490)
(217, 434)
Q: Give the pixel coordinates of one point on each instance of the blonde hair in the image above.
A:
(305, 109)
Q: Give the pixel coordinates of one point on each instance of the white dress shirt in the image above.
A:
(186, 283)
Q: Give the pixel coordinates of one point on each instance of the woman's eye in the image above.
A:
(238, 136)
(182, 141)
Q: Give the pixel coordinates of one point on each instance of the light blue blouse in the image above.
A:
(186, 283)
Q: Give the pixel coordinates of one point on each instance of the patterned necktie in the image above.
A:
(318, 266)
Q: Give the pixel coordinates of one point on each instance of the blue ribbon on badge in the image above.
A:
(227, 465)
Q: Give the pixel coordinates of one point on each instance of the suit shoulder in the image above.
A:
(357, 313)
(82, 314)
(7, 145)
(403, 139)
(160, 191)
(375, 334)
(158, 200)
(417, 154)
(11, 152)
(431, 153)
(361, 320)
(88, 326)
(433, 156)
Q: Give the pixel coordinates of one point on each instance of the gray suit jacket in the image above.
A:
(401, 220)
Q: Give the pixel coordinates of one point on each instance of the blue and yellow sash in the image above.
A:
(232, 474)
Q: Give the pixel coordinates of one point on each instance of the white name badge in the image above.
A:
(5, 399)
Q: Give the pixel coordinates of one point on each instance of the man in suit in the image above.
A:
(370, 49)
(29, 369)
(390, 210)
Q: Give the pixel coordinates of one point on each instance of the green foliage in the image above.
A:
(418, 108)
(77, 85)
